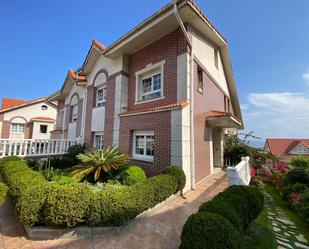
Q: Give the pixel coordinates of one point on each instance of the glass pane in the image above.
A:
(104, 94)
(146, 85)
(149, 145)
(139, 145)
(21, 128)
(100, 95)
(157, 82)
(152, 96)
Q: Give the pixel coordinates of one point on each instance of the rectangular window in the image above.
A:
(151, 87)
(101, 96)
(17, 128)
(143, 145)
(98, 141)
(216, 58)
(43, 129)
(60, 119)
(74, 113)
(200, 79)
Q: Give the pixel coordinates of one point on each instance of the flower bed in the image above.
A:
(39, 202)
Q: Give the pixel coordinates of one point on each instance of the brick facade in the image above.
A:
(166, 48)
(160, 123)
(109, 110)
(91, 96)
(212, 98)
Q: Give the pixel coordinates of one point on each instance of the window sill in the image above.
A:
(148, 100)
(142, 159)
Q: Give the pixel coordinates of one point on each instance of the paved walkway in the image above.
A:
(287, 235)
(160, 230)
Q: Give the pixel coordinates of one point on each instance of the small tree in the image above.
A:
(97, 161)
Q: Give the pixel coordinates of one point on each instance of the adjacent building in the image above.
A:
(164, 93)
(285, 148)
(27, 119)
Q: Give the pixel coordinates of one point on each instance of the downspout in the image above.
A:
(192, 159)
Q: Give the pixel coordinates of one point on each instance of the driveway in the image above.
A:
(160, 230)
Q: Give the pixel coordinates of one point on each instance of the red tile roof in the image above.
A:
(44, 119)
(281, 146)
(98, 44)
(218, 114)
(8, 103)
(158, 108)
(74, 76)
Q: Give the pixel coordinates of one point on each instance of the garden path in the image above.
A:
(162, 229)
(287, 235)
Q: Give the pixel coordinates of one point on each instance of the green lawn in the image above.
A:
(291, 214)
(260, 234)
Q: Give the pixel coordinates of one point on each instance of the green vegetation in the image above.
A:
(132, 175)
(221, 222)
(38, 201)
(302, 226)
(174, 170)
(3, 191)
(98, 162)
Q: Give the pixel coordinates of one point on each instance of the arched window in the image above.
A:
(100, 84)
(74, 108)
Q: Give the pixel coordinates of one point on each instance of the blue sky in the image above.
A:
(268, 42)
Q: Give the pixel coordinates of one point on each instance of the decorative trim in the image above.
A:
(104, 71)
(18, 117)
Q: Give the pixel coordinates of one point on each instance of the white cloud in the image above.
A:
(278, 114)
(244, 107)
(306, 76)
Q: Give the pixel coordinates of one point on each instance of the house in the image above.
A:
(285, 148)
(164, 93)
(27, 119)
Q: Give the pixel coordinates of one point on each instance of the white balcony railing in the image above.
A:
(240, 174)
(34, 147)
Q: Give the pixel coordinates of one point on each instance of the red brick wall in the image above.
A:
(80, 117)
(91, 95)
(160, 123)
(5, 133)
(166, 48)
(211, 99)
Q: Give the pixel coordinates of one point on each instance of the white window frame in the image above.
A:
(18, 125)
(147, 72)
(143, 157)
(101, 134)
(103, 101)
(301, 149)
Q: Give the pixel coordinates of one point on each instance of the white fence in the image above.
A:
(34, 147)
(240, 174)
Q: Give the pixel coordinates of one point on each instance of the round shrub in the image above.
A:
(209, 231)
(67, 205)
(298, 175)
(132, 175)
(3, 191)
(222, 207)
(178, 173)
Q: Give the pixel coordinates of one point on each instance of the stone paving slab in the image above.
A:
(286, 232)
(160, 230)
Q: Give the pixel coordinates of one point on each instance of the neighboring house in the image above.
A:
(284, 148)
(164, 93)
(23, 119)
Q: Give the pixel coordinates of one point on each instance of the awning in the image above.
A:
(223, 119)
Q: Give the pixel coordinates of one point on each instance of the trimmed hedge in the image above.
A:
(40, 202)
(208, 230)
(236, 207)
(177, 172)
(132, 175)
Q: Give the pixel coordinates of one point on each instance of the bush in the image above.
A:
(222, 207)
(300, 162)
(178, 173)
(209, 231)
(304, 205)
(298, 175)
(3, 191)
(132, 175)
(67, 205)
(40, 202)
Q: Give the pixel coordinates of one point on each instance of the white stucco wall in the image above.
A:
(98, 118)
(203, 50)
(36, 134)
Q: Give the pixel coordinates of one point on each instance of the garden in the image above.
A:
(93, 188)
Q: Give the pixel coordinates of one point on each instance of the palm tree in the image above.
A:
(96, 161)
